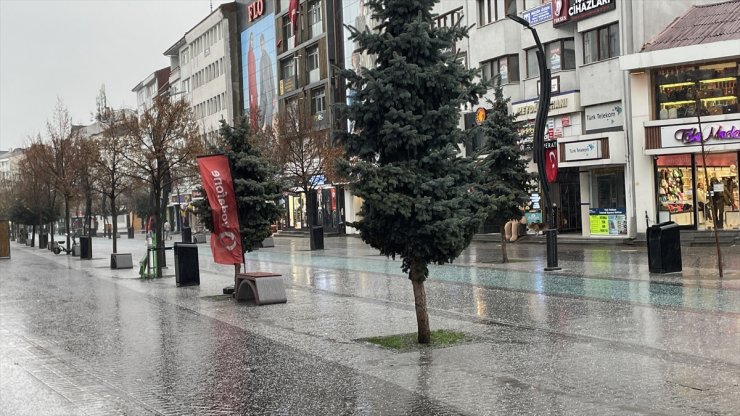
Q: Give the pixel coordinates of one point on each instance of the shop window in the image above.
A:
(506, 66)
(675, 189)
(721, 199)
(608, 215)
(686, 91)
(601, 43)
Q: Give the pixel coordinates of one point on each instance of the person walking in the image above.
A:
(166, 230)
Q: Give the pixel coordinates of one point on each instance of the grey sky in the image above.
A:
(68, 49)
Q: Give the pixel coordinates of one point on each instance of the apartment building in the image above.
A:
(155, 85)
(685, 120)
(589, 124)
(204, 69)
(288, 60)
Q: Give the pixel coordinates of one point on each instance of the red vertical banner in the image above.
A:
(551, 161)
(333, 199)
(226, 244)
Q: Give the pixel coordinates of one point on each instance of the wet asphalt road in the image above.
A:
(603, 336)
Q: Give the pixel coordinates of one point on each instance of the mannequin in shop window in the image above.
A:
(701, 200)
(721, 196)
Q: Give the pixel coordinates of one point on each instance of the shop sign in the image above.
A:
(559, 104)
(566, 11)
(318, 180)
(539, 14)
(196, 194)
(533, 217)
(565, 121)
(607, 221)
(256, 10)
(586, 150)
(719, 132)
(526, 135)
(604, 116)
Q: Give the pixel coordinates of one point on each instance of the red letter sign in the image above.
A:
(226, 244)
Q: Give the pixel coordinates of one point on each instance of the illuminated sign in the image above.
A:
(566, 11)
(256, 9)
(712, 133)
(480, 115)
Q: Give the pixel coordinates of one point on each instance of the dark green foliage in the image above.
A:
(506, 178)
(420, 202)
(257, 186)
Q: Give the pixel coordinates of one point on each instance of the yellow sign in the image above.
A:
(480, 115)
(599, 224)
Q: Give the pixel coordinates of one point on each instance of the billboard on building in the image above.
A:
(259, 66)
(358, 15)
(566, 11)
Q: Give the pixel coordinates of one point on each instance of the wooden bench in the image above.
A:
(264, 288)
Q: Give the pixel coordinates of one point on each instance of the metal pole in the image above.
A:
(548, 210)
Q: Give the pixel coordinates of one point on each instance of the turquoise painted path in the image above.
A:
(632, 291)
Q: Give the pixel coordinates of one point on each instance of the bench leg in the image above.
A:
(247, 291)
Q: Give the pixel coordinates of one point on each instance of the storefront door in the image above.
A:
(568, 200)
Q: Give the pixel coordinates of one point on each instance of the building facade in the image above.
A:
(155, 85)
(589, 120)
(288, 61)
(204, 69)
(685, 120)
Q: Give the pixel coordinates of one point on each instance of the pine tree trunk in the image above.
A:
(420, 303)
(504, 255)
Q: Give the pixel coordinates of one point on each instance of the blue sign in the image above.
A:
(539, 14)
(607, 211)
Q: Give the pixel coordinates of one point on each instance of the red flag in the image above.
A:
(226, 244)
(293, 13)
(551, 164)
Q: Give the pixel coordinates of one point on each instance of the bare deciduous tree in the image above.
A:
(161, 148)
(304, 152)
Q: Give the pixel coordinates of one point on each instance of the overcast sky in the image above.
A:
(63, 49)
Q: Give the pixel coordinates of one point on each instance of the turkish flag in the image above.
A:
(551, 164)
(293, 13)
(226, 243)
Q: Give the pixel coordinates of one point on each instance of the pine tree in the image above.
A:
(257, 186)
(506, 178)
(419, 198)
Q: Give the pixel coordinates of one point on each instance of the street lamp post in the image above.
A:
(543, 107)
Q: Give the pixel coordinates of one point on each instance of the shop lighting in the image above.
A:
(706, 81)
(678, 102)
(727, 97)
(678, 84)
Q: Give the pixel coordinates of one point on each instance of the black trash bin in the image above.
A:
(85, 247)
(317, 238)
(130, 232)
(187, 235)
(664, 248)
(43, 240)
(187, 272)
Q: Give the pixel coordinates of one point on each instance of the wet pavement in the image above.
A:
(602, 336)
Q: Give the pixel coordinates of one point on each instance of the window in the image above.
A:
(312, 63)
(450, 19)
(493, 10)
(314, 18)
(709, 89)
(287, 68)
(506, 66)
(288, 39)
(560, 55)
(318, 102)
(533, 70)
(601, 43)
